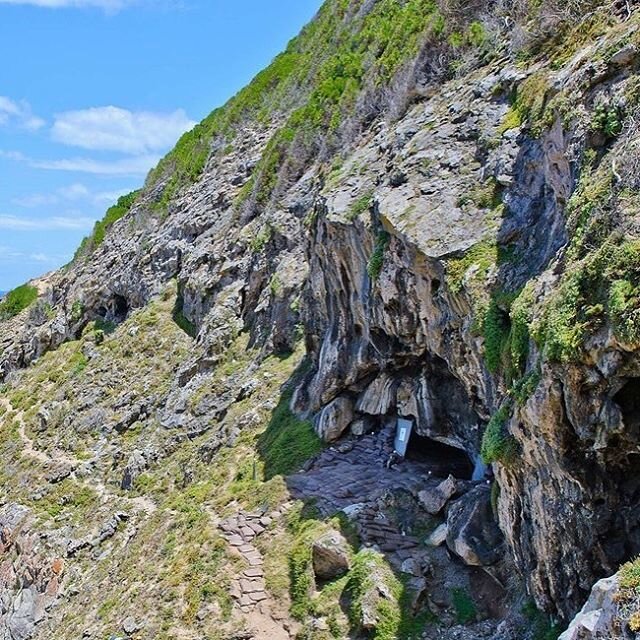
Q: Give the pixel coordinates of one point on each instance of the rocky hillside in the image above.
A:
(421, 210)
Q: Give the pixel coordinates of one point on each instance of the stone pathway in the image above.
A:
(240, 531)
(353, 476)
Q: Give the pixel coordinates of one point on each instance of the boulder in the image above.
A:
(600, 617)
(438, 536)
(334, 419)
(330, 555)
(472, 532)
(434, 499)
(376, 593)
(136, 465)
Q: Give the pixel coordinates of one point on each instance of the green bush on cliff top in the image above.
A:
(113, 214)
(17, 300)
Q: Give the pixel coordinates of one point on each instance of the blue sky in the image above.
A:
(93, 92)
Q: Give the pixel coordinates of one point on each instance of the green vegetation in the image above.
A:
(484, 195)
(79, 500)
(362, 204)
(506, 332)
(498, 445)
(483, 256)
(603, 286)
(376, 261)
(369, 568)
(607, 120)
(287, 442)
(114, 213)
(77, 311)
(521, 315)
(261, 239)
(542, 628)
(629, 595)
(17, 300)
(464, 606)
(528, 105)
(496, 331)
(181, 320)
(524, 387)
(316, 82)
(630, 575)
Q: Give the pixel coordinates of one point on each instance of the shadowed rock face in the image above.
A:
(393, 298)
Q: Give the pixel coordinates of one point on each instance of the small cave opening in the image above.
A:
(443, 459)
(114, 311)
(120, 308)
(628, 399)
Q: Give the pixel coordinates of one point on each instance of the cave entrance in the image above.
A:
(442, 459)
(628, 399)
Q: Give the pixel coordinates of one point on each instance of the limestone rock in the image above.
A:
(438, 536)
(434, 499)
(330, 555)
(601, 616)
(334, 419)
(472, 532)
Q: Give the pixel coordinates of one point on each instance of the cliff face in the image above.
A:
(445, 213)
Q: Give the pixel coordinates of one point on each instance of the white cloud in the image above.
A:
(13, 155)
(36, 200)
(76, 192)
(11, 255)
(136, 166)
(114, 129)
(129, 166)
(18, 114)
(40, 257)
(15, 223)
(133, 166)
(107, 5)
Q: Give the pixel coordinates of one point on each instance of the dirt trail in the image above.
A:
(141, 503)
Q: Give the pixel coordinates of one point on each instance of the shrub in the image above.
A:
(376, 261)
(529, 103)
(602, 287)
(362, 204)
(17, 300)
(607, 120)
(483, 256)
(261, 239)
(542, 628)
(369, 567)
(496, 331)
(630, 575)
(523, 388)
(498, 445)
(521, 315)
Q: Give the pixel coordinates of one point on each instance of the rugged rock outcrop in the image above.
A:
(612, 610)
(461, 251)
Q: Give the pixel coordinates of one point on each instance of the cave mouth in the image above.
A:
(628, 399)
(442, 459)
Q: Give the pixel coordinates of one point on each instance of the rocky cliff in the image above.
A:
(420, 210)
